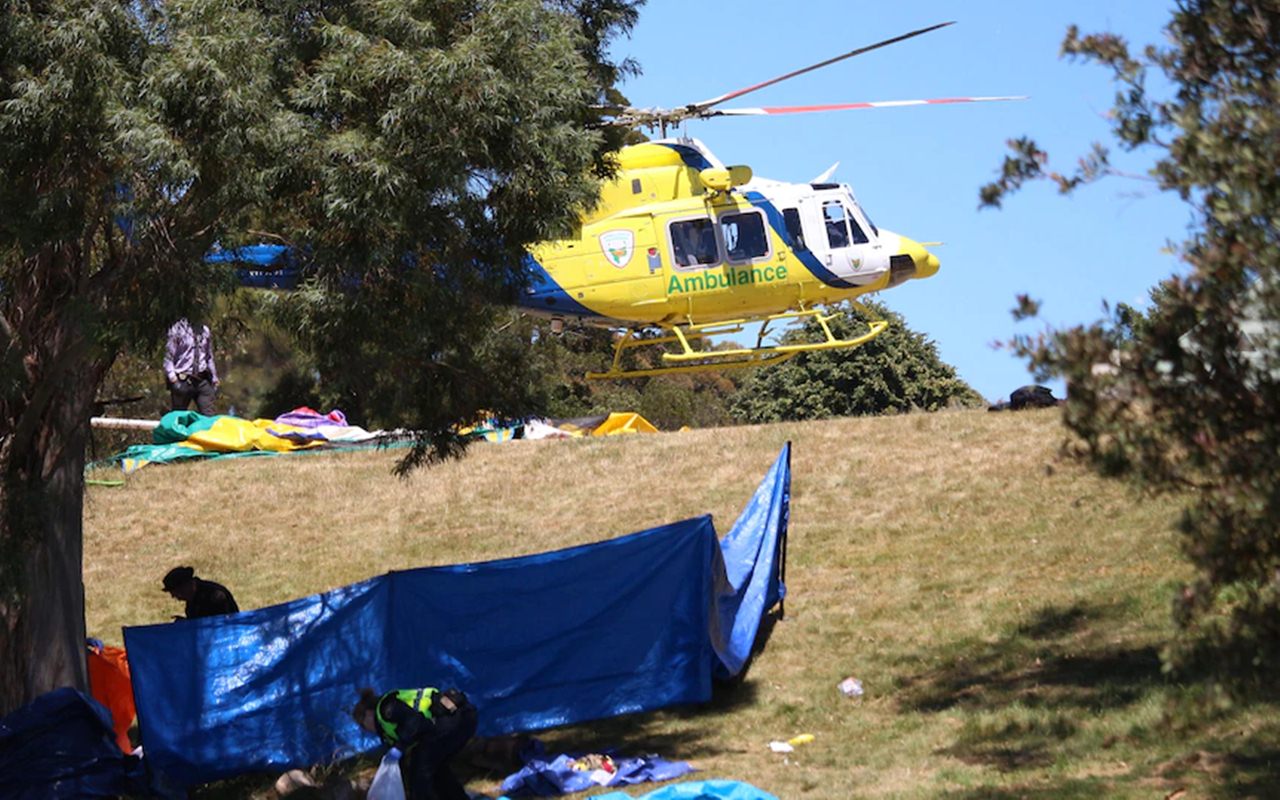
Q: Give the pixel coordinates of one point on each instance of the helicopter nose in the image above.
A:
(911, 261)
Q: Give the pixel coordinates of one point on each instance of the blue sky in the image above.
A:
(917, 171)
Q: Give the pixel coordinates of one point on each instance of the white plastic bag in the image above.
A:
(387, 784)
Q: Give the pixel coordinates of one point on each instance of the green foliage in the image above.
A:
(1183, 399)
(412, 148)
(899, 370)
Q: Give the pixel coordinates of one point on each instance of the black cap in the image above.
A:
(178, 576)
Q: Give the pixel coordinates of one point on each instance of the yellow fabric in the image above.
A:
(235, 435)
(624, 422)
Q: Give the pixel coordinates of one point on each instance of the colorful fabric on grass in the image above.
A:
(547, 777)
(268, 689)
(697, 790)
(184, 435)
(622, 422)
(305, 417)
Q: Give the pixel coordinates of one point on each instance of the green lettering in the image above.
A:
(696, 283)
(674, 287)
(756, 277)
(782, 273)
(768, 273)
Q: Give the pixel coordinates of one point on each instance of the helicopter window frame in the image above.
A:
(859, 235)
(795, 229)
(835, 227)
(854, 233)
(684, 245)
(763, 230)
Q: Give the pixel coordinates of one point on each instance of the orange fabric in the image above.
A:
(111, 685)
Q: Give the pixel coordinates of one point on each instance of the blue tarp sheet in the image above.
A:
(265, 266)
(61, 745)
(543, 776)
(619, 626)
(697, 790)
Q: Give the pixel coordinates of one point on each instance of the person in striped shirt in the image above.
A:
(189, 370)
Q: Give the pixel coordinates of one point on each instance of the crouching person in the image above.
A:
(429, 727)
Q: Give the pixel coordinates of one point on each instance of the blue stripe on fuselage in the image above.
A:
(807, 258)
(691, 156)
(546, 296)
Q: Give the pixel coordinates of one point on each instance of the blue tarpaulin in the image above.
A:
(697, 790)
(264, 266)
(548, 776)
(61, 746)
(625, 625)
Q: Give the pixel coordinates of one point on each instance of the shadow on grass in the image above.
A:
(1250, 769)
(1067, 789)
(1060, 659)
(1024, 690)
(1254, 770)
(1029, 702)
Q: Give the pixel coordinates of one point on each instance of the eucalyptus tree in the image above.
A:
(1183, 399)
(408, 150)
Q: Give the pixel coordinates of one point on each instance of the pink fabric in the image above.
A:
(304, 417)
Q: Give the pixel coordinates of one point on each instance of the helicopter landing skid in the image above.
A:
(702, 360)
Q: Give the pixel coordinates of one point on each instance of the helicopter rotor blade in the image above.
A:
(706, 104)
(770, 110)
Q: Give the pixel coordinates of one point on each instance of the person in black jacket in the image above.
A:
(203, 598)
(429, 727)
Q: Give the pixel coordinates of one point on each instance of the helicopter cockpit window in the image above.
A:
(858, 236)
(871, 222)
(791, 217)
(837, 218)
(837, 229)
(744, 236)
(693, 243)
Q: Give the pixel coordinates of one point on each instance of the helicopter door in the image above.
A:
(850, 254)
(696, 280)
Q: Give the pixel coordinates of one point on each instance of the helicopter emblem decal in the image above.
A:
(618, 246)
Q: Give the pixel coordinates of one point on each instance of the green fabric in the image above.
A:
(177, 426)
(417, 699)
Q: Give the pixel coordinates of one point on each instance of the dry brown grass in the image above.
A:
(1002, 607)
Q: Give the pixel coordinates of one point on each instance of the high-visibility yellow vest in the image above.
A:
(417, 699)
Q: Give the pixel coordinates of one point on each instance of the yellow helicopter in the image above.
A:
(685, 245)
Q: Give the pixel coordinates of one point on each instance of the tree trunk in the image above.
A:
(42, 628)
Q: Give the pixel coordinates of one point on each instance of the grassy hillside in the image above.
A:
(1003, 609)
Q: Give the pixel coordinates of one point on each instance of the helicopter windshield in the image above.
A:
(840, 225)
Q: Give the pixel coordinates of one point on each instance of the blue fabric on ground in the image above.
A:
(543, 777)
(268, 690)
(61, 745)
(697, 790)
